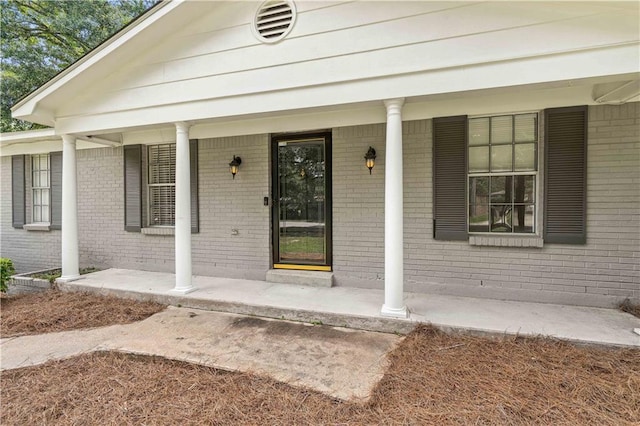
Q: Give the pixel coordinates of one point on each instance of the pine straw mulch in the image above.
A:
(53, 311)
(433, 379)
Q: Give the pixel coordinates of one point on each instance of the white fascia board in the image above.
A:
(27, 108)
(562, 69)
(27, 136)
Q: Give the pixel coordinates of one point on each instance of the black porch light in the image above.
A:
(370, 158)
(234, 165)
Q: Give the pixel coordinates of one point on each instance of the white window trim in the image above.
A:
(39, 225)
(153, 229)
(514, 239)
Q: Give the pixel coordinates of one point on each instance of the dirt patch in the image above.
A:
(630, 308)
(433, 378)
(53, 311)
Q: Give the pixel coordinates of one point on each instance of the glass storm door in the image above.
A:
(302, 202)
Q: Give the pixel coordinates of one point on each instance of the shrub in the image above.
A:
(6, 270)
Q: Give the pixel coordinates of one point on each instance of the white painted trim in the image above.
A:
(29, 104)
(183, 211)
(69, 238)
(551, 70)
(394, 214)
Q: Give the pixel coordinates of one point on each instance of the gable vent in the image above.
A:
(274, 19)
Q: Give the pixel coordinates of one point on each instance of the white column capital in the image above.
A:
(182, 127)
(69, 139)
(394, 105)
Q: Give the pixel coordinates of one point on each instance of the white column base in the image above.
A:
(181, 291)
(394, 313)
(67, 279)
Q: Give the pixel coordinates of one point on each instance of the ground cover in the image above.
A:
(53, 311)
(433, 378)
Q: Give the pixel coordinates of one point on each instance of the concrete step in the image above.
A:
(307, 278)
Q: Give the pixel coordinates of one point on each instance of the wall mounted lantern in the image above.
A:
(370, 158)
(234, 165)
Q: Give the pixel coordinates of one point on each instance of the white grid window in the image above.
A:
(40, 186)
(162, 181)
(502, 173)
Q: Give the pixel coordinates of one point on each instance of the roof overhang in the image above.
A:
(29, 109)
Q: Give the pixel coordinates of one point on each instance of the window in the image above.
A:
(486, 178)
(161, 184)
(159, 201)
(40, 186)
(502, 170)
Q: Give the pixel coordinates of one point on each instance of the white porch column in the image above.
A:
(183, 211)
(393, 214)
(70, 254)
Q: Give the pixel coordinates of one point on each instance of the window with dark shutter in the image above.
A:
(17, 191)
(193, 152)
(56, 190)
(565, 175)
(449, 178)
(133, 188)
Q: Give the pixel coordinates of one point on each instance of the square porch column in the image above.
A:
(183, 212)
(393, 214)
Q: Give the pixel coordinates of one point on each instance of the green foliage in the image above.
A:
(6, 270)
(39, 38)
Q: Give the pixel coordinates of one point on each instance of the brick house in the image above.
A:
(229, 139)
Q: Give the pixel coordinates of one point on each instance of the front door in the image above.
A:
(302, 201)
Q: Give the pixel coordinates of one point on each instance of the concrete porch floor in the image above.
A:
(360, 308)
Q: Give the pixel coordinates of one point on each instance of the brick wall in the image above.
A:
(601, 273)
(605, 270)
(29, 251)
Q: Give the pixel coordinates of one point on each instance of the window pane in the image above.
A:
(36, 178)
(162, 205)
(524, 189)
(501, 158)
(501, 216)
(525, 127)
(37, 197)
(501, 189)
(44, 179)
(501, 129)
(45, 214)
(478, 159)
(479, 218)
(479, 190)
(479, 131)
(45, 197)
(525, 157)
(523, 219)
(37, 217)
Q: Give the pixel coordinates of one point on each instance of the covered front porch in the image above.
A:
(360, 308)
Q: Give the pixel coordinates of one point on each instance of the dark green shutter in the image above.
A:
(565, 208)
(133, 188)
(17, 191)
(56, 189)
(193, 152)
(449, 178)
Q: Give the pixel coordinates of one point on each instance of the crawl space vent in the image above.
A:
(274, 19)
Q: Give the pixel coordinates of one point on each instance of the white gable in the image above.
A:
(201, 60)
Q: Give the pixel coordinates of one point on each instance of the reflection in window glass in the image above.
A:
(479, 131)
(502, 173)
(525, 127)
(501, 129)
(479, 159)
(501, 158)
(525, 157)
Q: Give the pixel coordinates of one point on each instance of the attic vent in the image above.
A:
(274, 19)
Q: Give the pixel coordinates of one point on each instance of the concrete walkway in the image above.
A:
(342, 363)
(360, 308)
